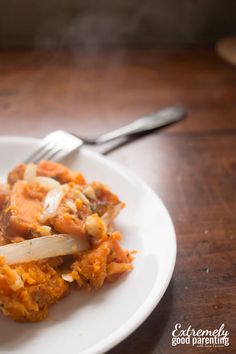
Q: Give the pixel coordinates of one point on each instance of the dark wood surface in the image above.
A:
(191, 165)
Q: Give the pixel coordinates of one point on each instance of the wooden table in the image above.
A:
(191, 165)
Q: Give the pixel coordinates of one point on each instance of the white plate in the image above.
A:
(95, 322)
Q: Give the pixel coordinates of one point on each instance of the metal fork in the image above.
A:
(59, 144)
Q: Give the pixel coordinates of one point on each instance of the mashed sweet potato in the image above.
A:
(83, 210)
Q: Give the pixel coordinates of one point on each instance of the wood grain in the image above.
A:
(191, 165)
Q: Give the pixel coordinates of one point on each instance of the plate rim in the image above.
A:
(144, 311)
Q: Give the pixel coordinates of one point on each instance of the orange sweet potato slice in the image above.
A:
(4, 195)
(16, 174)
(48, 169)
(67, 224)
(59, 172)
(24, 208)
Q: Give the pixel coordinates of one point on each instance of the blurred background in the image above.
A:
(69, 23)
(90, 66)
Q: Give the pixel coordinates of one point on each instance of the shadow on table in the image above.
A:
(108, 148)
(145, 339)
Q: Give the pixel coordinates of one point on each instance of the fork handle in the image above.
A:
(156, 120)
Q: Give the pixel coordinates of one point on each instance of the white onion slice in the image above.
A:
(30, 173)
(111, 214)
(67, 277)
(43, 247)
(89, 192)
(44, 230)
(52, 202)
(95, 226)
(71, 205)
(18, 284)
(78, 194)
(47, 182)
(30, 176)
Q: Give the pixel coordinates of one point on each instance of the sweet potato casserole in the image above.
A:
(55, 235)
